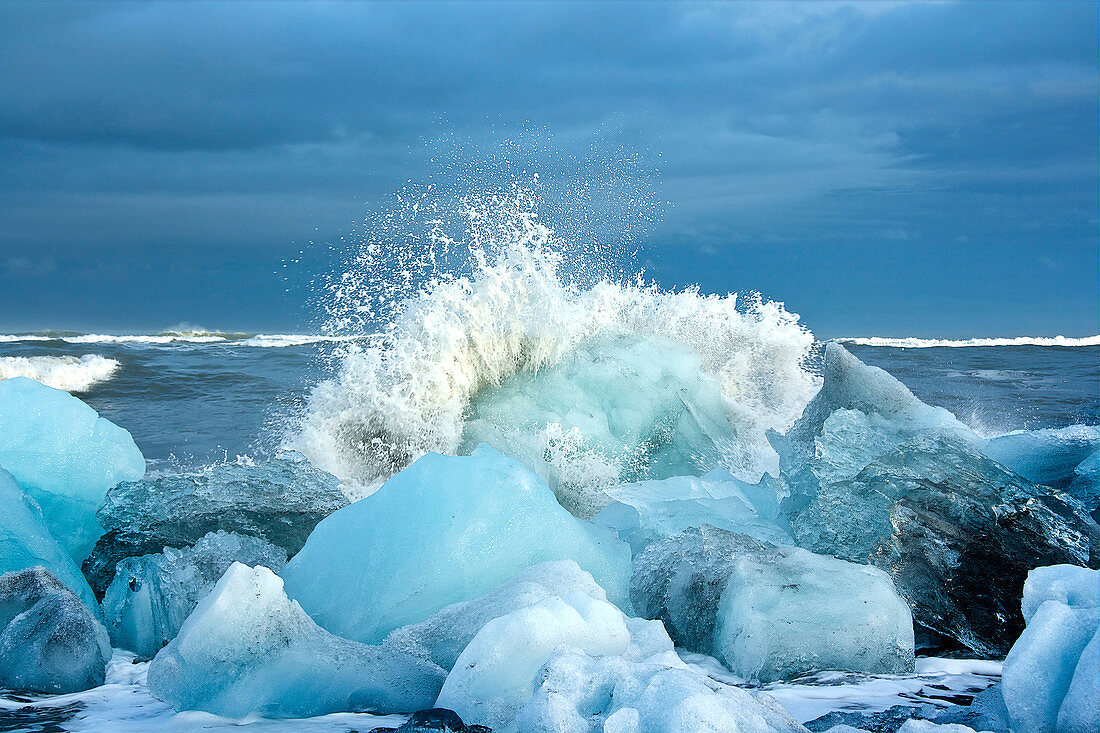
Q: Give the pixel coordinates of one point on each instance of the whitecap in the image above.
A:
(69, 373)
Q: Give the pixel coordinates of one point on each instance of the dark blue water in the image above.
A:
(188, 403)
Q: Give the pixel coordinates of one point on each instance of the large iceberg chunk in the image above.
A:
(65, 456)
(152, 595)
(25, 542)
(280, 501)
(444, 530)
(1085, 485)
(495, 673)
(578, 693)
(1051, 676)
(960, 537)
(620, 409)
(248, 649)
(789, 612)
(860, 413)
(771, 612)
(442, 636)
(650, 510)
(49, 640)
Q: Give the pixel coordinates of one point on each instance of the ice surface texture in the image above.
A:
(578, 693)
(247, 648)
(444, 530)
(49, 640)
(1051, 681)
(772, 613)
(152, 595)
(25, 541)
(651, 510)
(442, 636)
(279, 501)
(1045, 456)
(637, 408)
(64, 456)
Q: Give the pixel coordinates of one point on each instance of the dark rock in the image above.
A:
(280, 501)
(49, 640)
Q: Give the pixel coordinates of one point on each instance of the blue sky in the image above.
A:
(884, 169)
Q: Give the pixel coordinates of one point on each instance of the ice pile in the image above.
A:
(65, 457)
(871, 474)
(279, 501)
(770, 612)
(49, 640)
(248, 649)
(444, 530)
(152, 595)
(1051, 681)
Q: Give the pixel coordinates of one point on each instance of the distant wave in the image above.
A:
(919, 343)
(261, 340)
(69, 373)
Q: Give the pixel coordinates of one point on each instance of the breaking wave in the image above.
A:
(262, 340)
(507, 297)
(922, 343)
(69, 373)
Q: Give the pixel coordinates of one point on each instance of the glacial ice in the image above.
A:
(49, 640)
(1045, 456)
(1085, 485)
(771, 612)
(152, 595)
(960, 537)
(638, 408)
(578, 693)
(495, 673)
(1052, 673)
(279, 500)
(65, 457)
(861, 412)
(25, 542)
(442, 636)
(248, 649)
(457, 525)
(789, 612)
(651, 510)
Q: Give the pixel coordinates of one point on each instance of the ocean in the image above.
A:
(194, 399)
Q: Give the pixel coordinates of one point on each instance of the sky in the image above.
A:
(926, 169)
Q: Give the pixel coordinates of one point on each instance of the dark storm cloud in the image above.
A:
(826, 154)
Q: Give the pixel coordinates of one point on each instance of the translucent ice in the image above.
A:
(442, 636)
(25, 542)
(1052, 674)
(650, 510)
(248, 649)
(64, 456)
(860, 413)
(788, 612)
(578, 693)
(496, 671)
(278, 500)
(444, 530)
(769, 612)
(1085, 484)
(960, 536)
(641, 408)
(1045, 456)
(152, 595)
(49, 640)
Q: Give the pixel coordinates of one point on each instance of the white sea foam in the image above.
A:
(924, 343)
(281, 340)
(69, 373)
(261, 340)
(403, 392)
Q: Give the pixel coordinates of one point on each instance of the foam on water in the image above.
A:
(70, 373)
(507, 297)
(923, 343)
